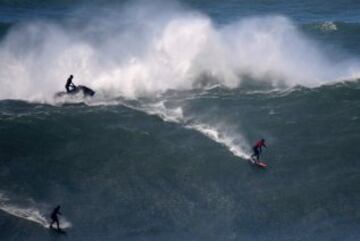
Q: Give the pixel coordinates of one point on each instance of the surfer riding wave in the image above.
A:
(257, 148)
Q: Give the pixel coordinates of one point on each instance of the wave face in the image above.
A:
(161, 152)
(174, 167)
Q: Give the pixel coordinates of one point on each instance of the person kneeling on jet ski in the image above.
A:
(70, 86)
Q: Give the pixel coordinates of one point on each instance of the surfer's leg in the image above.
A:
(51, 223)
(256, 154)
(57, 224)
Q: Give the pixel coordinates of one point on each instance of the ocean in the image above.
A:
(184, 89)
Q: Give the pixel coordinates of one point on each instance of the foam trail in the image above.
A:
(30, 214)
(235, 143)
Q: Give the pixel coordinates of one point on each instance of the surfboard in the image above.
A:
(258, 163)
(61, 231)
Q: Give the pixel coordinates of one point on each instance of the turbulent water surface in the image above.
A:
(183, 91)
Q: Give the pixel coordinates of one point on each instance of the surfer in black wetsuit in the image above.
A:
(257, 149)
(70, 86)
(54, 218)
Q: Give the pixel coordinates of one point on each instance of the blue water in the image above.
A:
(183, 91)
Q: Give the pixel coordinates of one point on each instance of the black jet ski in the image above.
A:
(86, 91)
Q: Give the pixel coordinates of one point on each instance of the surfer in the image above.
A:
(257, 149)
(70, 86)
(54, 217)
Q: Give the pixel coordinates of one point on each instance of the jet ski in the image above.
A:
(80, 89)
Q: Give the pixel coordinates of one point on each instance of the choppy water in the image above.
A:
(182, 94)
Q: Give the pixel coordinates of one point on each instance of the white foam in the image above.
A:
(328, 26)
(233, 142)
(220, 133)
(167, 114)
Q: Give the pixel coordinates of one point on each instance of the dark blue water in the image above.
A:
(183, 91)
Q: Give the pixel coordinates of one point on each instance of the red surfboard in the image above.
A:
(258, 163)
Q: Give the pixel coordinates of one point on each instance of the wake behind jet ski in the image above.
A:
(72, 89)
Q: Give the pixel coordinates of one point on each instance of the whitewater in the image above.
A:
(177, 49)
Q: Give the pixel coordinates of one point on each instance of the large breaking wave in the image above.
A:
(136, 50)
